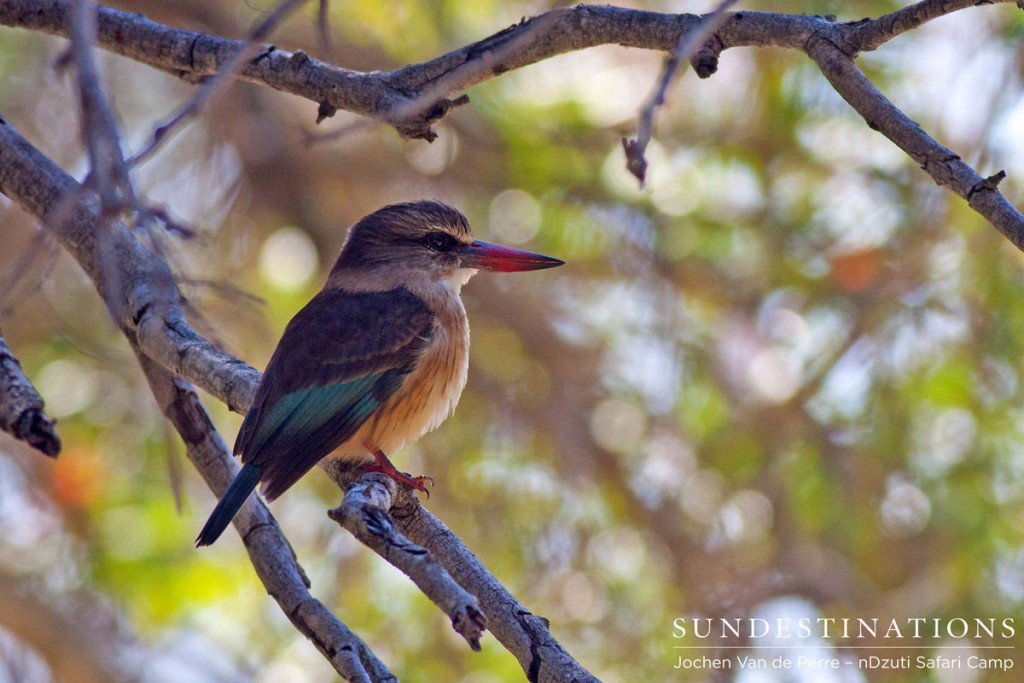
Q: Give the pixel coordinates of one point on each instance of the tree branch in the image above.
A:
(364, 513)
(689, 44)
(941, 163)
(870, 34)
(386, 96)
(99, 127)
(524, 634)
(147, 306)
(150, 317)
(209, 89)
(21, 408)
(39, 186)
(269, 551)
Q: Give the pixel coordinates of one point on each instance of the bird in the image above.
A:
(376, 359)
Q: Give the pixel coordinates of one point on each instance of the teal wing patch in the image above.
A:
(309, 424)
(341, 357)
(298, 415)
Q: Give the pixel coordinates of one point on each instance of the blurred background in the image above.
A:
(784, 378)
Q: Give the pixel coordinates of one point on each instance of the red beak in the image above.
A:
(494, 257)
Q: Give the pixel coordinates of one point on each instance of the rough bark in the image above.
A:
(139, 289)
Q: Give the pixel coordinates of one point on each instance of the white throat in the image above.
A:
(460, 277)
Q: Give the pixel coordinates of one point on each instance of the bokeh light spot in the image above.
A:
(67, 387)
(288, 259)
(515, 216)
(617, 425)
(905, 510)
(773, 375)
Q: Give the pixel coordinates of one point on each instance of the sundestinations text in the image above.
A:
(844, 628)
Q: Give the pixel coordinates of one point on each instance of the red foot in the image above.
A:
(384, 466)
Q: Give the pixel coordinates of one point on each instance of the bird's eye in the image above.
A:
(440, 241)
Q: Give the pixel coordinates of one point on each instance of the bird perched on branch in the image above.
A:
(375, 360)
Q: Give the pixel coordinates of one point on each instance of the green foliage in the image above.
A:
(787, 367)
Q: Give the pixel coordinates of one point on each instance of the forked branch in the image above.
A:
(146, 304)
(149, 315)
(413, 97)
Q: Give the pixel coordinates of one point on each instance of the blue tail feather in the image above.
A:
(229, 504)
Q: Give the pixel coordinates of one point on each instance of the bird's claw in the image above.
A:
(419, 483)
(383, 465)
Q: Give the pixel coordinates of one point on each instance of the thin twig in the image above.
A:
(34, 261)
(99, 127)
(214, 85)
(108, 177)
(412, 117)
(323, 28)
(689, 44)
(869, 35)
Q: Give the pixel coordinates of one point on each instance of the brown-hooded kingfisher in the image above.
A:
(375, 360)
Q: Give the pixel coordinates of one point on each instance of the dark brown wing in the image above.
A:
(339, 359)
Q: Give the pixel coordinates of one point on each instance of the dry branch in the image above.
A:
(271, 555)
(385, 96)
(211, 87)
(39, 186)
(99, 127)
(148, 313)
(364, 513)
(942, 164)
(524, 634)
(146, 304)
(689, 45)
(21, 408)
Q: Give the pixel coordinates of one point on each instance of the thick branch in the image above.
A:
(193, 54)
(153, 322)
(941, 163)
(387, 96)
(364, 513)
(271, 555)
(171, 341)
(146, 304)
(147, 292)
(524, 634)
(21, 407)
(373, 94)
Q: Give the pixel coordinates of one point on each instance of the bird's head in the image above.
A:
(426, 242)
